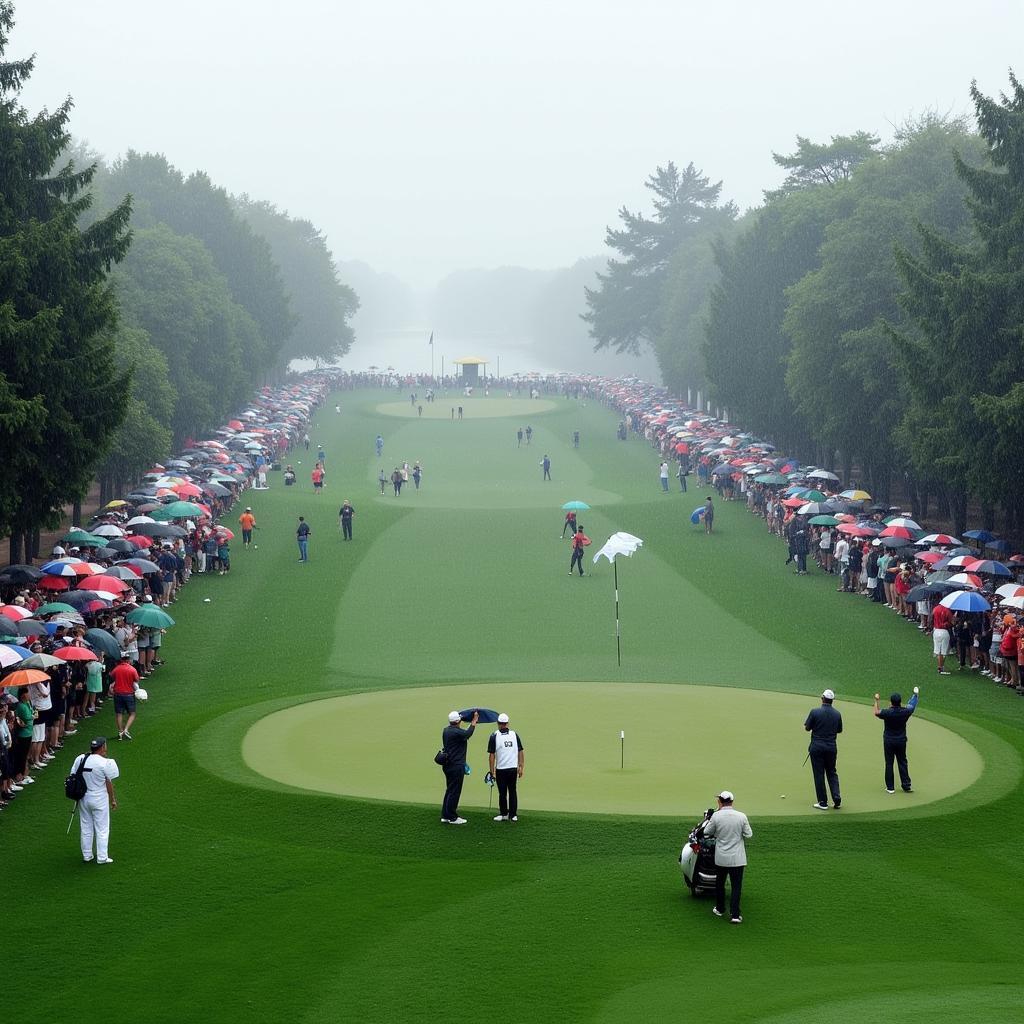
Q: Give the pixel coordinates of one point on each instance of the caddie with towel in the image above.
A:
(94, 808)
(506, 761)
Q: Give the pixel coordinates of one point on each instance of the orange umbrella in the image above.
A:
(25, 677)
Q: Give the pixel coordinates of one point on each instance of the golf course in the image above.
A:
(278, 851)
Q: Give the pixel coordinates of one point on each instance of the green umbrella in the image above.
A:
(53, 607)
(823, 521)
(150, 615)
(576, 506)
(176, 510)
(811, 495)
(103, 643)
(774, 479)
(83, 539)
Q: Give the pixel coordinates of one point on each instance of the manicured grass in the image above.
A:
(233, 897)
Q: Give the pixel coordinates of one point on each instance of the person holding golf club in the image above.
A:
(506, 760)
(894, 738)
(579, 541)
(99, 800)
(453, 742)
(729, 828)
(824, 724)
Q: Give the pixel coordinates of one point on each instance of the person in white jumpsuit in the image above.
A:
(95, 807)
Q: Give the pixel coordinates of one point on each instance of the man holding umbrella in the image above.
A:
(453, 742)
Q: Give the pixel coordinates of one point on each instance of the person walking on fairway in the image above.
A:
(380, 445)
(894, 738)
(824, 724)
(682, 472)
(709, 515)
(519, 438)
(546, 465)
(579, 541)
(730, 828)
(302, 533)
(382, 479)
(506, 760)
(345, 515)
(248, 523)
(99, 800)
(453, 741)
(529, 434)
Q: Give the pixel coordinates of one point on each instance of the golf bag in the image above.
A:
(697, 859)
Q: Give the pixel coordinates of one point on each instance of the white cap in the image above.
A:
(454, 716)
(726, 797)
(503, 719)
(827, 695)
(147, 597)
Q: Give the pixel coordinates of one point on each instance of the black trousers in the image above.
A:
(896, 752)
(452, 793)
(823, 766)
(508, 800)
(735, 876)
(577, 558)
(346, 529)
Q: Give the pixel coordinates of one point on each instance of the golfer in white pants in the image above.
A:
(95, 807)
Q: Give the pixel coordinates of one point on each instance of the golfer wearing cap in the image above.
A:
(506, 759)
(345, 515)
(247, 521)
(894, 738)
(453, 742)
(824, 724)
(730, 828)
(95, 807)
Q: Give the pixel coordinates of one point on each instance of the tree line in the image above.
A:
(138, 306)
(868, 315)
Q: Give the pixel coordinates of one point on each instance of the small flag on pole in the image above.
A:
(431, 342)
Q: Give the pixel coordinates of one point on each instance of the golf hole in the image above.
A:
(682, 745)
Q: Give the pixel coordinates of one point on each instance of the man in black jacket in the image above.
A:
(453, 742)
(824, 724)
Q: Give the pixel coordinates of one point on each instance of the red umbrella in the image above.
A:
(235, 425)
(95, 606)
(139, 542)
(683, 449)
(75, 654)
(15, 611)
(108, 584)
(929, 557)
(53, 583)
(794, 502)
(897, 532)
(223, 531)
(187, 490)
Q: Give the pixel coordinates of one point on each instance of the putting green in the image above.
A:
(682, 745)
(475, 408)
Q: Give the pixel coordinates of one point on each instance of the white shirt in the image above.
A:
(39, 696)
(506, 749)
(843, 549)
(98, 770)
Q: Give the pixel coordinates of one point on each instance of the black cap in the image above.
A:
(96, 744)
(896, 698)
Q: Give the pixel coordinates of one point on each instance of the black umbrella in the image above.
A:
(76, 598)
(158, 530)
(30, 627)
(103, 643)
(144, 564)
(216, 490)
(8, 627)
(486, 714)
(121, 546)
(105, 552)
(20, 574)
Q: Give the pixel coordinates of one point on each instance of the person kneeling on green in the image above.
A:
(453, 742)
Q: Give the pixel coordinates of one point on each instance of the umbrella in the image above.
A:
(120, 546)
(998, 545)
(25, 677)
(30, 627)
(108, 530)
(809, 494)
(1009, 590)
(11, 654)
(929, 557)
(20, 574)
(965, 601)
(824, 521)
(74, 654)
(959, 562)
(822, 474)
(53, 583)
(982, 536)
(813, 508)
(942, 539)
(43, 661)
(100, 640)
(136, 520)
(150, 615)
(723, 470)
(486, 714)
(855, 495)
(967, 579)
(923, 591)
(697, 515)
(14, 612)
(77, 599)
(144, 564)
(903, 521)
(83, 539)
(59, 569)
(618, 544)
(180, 510)
(109, 584)
(771, 479)
(576, 506)
(223, 533)
(159, 529)
(216, 490)
(897, 533)
(1014, 602)
(8, 627)
(989, 568)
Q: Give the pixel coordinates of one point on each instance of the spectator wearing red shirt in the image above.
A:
(579, 541)
(1008, 650)
(124, 682)
(942, 619)
(569, 524)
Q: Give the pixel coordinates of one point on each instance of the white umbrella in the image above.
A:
(108, 530)
(822, 474)
(1013, 602)
(1010, 590)
(618, 544)
(139, 519)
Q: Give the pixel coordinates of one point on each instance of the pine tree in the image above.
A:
(61, 393)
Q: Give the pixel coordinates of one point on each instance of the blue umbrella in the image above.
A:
(966, 601)
(980, 535)
(998, 545)
(576, 506)
(697, 515)
(486, 714)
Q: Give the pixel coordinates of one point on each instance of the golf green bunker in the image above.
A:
(682, 745)
(476, 408)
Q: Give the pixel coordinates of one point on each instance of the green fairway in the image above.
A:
(326, 744)
(473, 408)
(278, 854)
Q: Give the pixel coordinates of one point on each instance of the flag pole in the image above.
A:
(432, 381)
(618, 639)
(622, 749)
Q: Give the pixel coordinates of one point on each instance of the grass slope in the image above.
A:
(233, 899)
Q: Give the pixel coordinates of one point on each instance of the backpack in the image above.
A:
(74, 785)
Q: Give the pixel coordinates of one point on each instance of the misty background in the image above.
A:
(463, 160)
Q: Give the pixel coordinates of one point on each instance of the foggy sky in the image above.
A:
(425, 137)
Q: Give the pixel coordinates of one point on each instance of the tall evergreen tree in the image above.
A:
(59, 384)
(967, 304)
(625, 311)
